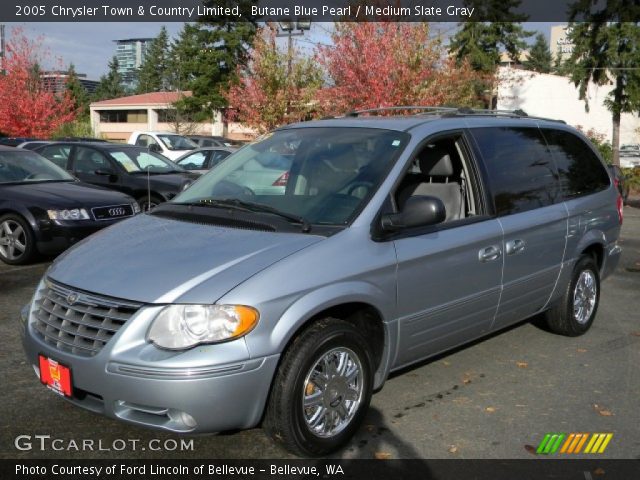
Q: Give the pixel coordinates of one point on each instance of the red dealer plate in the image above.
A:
(55, 376)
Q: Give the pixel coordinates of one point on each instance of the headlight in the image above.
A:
(136, 208)
(72, 214)
(178, 327)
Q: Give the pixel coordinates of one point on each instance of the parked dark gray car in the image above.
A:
(394, 239)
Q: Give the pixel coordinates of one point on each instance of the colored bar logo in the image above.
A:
(573, 443)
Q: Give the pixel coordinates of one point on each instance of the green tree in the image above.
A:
(607, 50)
(539, 56)
(207, 54)
(482, 42)
(153, 74)
(110, 85)
(77, 91)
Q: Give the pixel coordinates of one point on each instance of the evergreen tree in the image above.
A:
(481, 42)
(559, 65)
(153, 74)
(110, 85)
(539, 56)
(77, 91)
(607, 50)
(207, 55)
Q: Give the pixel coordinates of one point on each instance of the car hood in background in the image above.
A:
(155, 260)
(63, 194)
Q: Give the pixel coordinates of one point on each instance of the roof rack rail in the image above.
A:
(430, 109)
(453, 111)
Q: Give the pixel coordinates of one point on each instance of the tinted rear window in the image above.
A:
(521, 173)
(580, 170)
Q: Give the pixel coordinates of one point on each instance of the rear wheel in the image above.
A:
(574, 313)
(17, 243)
(322, 389)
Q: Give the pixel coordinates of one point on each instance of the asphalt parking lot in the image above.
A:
(493, 399)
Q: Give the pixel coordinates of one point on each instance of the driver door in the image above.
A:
(87, 161)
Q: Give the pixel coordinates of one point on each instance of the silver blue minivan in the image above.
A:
(394, 238)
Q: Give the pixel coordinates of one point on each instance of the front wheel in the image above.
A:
(322, 389)
(574, 313)
(148, 203)
(17, 244)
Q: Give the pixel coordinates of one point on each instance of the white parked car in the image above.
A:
(171, 145)
(629, 156)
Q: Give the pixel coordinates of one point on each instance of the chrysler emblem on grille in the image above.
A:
(72, 298)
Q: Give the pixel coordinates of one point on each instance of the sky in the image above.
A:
(90, 46)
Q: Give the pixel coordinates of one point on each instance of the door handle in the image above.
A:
(515, 246)
(489, 254)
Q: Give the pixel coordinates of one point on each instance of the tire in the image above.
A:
(147, 204)
(573, 314)
(17, 243)
(337, 408)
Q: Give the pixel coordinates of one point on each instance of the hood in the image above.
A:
(64, 194)
(155, 260)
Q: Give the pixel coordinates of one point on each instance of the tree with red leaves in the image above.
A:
(372, 65)
(275, 88)
(27, 107)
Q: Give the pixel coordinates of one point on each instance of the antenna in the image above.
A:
(148, 188)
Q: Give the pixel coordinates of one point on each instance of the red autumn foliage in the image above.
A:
(373, 65)
(27, 108)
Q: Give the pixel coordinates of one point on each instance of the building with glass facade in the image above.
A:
(130, 53)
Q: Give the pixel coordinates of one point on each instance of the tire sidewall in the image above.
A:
(335, 338)
(584, 263)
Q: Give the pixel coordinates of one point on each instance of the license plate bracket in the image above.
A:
(55, 376)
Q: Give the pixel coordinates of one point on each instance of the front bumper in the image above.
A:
(54, 237)
(186, 391)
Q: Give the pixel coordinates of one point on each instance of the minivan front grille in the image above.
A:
(79, 322)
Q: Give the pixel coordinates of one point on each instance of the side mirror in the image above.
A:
(107, 172)
(418, 211)
(154, 147)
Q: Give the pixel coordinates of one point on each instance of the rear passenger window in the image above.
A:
(580, 170)
(58, 154)
(521, 173)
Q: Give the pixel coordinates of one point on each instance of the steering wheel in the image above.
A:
(359, 184)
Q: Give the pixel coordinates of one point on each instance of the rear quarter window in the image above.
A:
(580, 170)
(521, 173)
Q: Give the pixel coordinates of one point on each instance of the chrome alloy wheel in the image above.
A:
(332, 392)
(13, 240)
(584, 296)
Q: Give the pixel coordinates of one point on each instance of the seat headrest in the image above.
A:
(436, 162)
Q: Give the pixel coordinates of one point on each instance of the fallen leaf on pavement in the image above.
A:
(382, 455)
(598, 471)
(531, 449)
(522, 364)
(635, 334)
(453, 449)
(490, 409)
(581, 350)
(603, 411)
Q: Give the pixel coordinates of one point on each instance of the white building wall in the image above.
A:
(553, 96)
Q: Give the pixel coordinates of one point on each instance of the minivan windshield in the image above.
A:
(23, 166)
(320, 175)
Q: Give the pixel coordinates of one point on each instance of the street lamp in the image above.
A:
(293, 28)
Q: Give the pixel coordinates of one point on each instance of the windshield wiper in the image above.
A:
(252, 207)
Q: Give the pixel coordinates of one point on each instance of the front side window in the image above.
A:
(29, 167)
(324, 175)
(580, 171)
(522, 176)
(195, 161)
